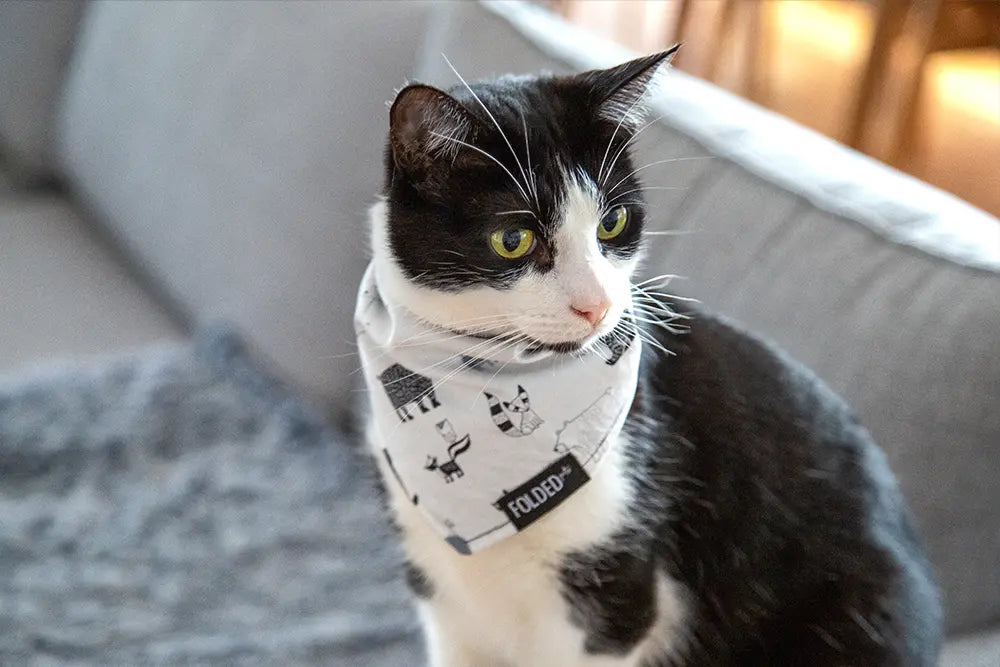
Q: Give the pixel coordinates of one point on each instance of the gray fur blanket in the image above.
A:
(179, 507)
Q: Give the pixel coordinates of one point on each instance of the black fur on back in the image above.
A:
(766, 500)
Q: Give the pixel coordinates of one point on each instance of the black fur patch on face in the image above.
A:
(453, 179)
(611, 595)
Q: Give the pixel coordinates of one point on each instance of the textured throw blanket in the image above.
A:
(178, 507)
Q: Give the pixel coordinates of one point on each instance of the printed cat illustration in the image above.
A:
(406, 389)
(515, 417)
(575, 430)
(450, 468)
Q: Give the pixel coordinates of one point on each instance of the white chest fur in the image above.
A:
(503, 606)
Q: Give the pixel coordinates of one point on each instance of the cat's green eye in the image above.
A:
(613, 223)
(512, 243)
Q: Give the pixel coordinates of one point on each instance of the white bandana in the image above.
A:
(487, 444)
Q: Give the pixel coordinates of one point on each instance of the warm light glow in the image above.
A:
(832, 26)
(815, 54)
(968, 80)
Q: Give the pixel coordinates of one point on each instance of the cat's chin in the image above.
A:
(533, 345)
(568, 346)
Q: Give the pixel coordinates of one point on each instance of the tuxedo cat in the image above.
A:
(740, 515)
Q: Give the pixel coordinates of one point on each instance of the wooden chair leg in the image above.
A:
(680, 28)
(723, 29)
(561, 7)
(888, 24)
(758, 50)
(907, 131)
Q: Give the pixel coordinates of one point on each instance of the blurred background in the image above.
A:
(915, 83)
(184, 188)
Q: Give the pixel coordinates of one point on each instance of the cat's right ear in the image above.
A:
(617, 93)
(427, 128)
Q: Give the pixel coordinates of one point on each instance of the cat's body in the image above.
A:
(740, 516)
(700, 542)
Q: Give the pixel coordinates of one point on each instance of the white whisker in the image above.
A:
(453, 330)
(625, 145)
(434, 387)
(643, 189)
(663, 276)
(488, 113)
(527, 152)
(614, 134)
(478, 347)
(668, 232)
(649, 340)
(520, 338)
(672, 297)
(482, 152)
(657, 163)
(651, 305)
(504, 344)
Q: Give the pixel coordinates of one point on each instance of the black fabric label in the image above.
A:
(543, 492)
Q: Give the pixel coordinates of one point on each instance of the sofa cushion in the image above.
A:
(885, 286)
(36, 41)
(233, 149)
(65, 293)
(882, 324)
(982, 650)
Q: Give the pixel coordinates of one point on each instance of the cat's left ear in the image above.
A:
(617, 93)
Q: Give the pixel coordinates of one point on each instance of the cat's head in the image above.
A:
(511, 206)
(521, 402)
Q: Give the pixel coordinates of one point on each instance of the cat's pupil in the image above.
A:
(609, 223)
(512, 239)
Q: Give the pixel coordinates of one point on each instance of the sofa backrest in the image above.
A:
(888, 288)
(232, 148)
(36, 42)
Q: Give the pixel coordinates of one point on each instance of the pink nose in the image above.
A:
(592, 313)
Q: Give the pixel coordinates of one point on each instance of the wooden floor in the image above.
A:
(814, 54)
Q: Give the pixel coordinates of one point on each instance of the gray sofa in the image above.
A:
(168, 164)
